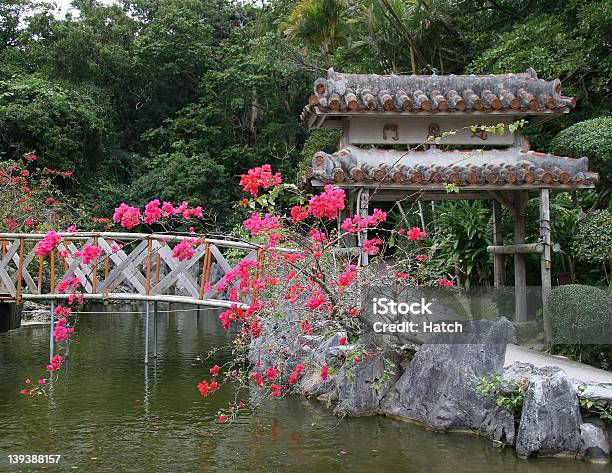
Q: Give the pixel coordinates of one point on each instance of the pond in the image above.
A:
(111, 413)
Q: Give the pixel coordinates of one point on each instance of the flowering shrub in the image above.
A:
(297, 267)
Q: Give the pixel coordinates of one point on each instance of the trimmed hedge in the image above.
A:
(580, 314)
(591, 138)
(593, 239)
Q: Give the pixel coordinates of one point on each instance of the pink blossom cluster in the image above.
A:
(316, 301)
(152, 212)
(414, 234)
(372, 246)
(185, 249)
(347, 278)
(357, 224)
(56, 363)
(298, 213)
(328, 203)
(240, 272)
(127, 216)
(62, 331)
(89, 253)
(259, 177)
(47, 244)
(256, 224)
(68, 283)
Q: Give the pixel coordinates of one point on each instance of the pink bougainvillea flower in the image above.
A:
(29, 222)
(42, 382)
(47, 244)
(152, 212)
(127, 216)
(446, 283)
(214, 370)
(89, 253)
(272, 373)
(259, 177)
(402, 275)
(204, 388)
(276, 390)
(422, 258)
(256, 224)
(328, 203)
(71, 229)
(316, 301)
(324, 372)
(69, 283)
(415, 233)
(185, 249)
(347, 278)
(342, 341)
(306, 328)
(221, 418)
(24, 391)
(372, 246)
(298, 213)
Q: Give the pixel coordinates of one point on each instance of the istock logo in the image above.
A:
(384, 306)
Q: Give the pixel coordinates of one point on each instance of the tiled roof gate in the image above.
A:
(433, 132)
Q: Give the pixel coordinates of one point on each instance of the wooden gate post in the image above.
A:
(545, 260)
(520, 275)
(499, 274)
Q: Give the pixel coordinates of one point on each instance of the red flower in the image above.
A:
(324, 374)
(276, 390)
(215, 370)
(445, 282)
(415, 233)
(272, 373)
(342, 341)
(221, 418)
(24, 391)
(298, 214)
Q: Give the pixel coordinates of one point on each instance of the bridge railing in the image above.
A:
(132, 266)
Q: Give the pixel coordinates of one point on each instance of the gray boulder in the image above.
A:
(439, 386)
(361, 387)
(599, 393)
(499, 425)
(594, 446)
(550, 421)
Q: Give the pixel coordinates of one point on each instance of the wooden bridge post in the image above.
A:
(146, 353)
(155, 329)
(51, 324)
(19, 271)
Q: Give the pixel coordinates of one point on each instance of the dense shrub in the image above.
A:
(591, 138)
(580, 314)
(593, 239)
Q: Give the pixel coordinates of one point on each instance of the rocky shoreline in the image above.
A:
(437, 386)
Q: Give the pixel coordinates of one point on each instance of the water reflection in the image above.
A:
(111, 413)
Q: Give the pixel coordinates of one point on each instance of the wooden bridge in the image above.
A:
(131, 267)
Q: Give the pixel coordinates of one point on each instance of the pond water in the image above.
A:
(110, 413)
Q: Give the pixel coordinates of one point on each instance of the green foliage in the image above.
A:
(580, 314)
(593, 239)
(461, 236)
(66, 124)
(512, 397)
(590, 138)
(604, 412)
